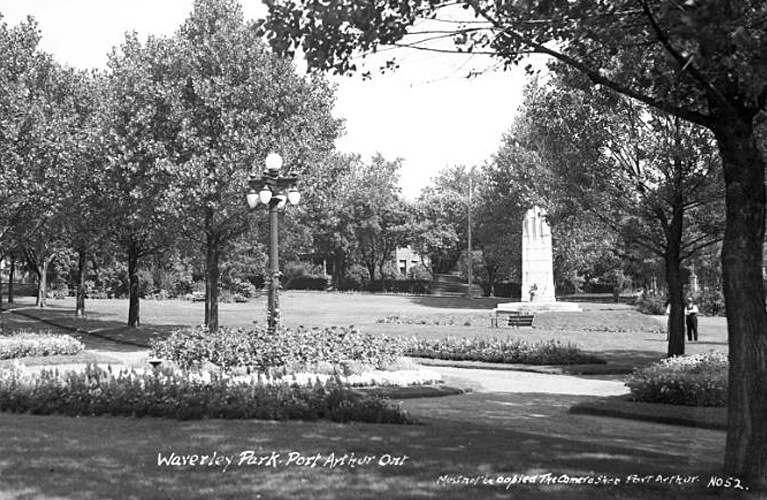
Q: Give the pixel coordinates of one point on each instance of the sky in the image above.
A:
(427, 112)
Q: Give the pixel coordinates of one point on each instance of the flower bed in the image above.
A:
(37, 344)
(496, 350)
(434, 321)
(258, 350)
(699, 380)
(185, 395)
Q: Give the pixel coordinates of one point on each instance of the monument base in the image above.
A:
(537, 307)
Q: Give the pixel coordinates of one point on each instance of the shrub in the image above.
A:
(306, 283)
(507, 289)
(651, 304)
(37, 344)
(355, 277)
(711, 302)
(244, 289)
(185, 395)
(399, 286)
(260, 350)
(496, 350)
(699, 380)
(419, 272)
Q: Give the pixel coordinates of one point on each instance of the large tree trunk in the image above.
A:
(673, 264)
(212, 255)
(746, 448)
(82, 273)
(133, 286)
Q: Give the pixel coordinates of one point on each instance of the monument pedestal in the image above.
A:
(536, 307)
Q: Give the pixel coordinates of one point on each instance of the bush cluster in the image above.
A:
(699, 380)
(495, 350)
(259, 350)
(711, 302)
(651, 304)
(184, 395)
(37, 344)
(306, 283)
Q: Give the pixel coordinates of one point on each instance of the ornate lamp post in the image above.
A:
(274, 191)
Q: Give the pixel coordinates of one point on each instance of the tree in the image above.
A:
(354, 213)
(499, 214)
(234, 102)
(136, 195)
(44, 149)
(20, 60)
(651, 179)
(83, 224)
(441, 232)
(325, 209)
(699, 60)
(379, 215)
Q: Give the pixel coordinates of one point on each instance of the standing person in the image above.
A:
(691, 315)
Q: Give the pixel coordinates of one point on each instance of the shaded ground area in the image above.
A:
(472, 435)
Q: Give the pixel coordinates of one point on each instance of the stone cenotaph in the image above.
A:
(537, 261)
(537, 269)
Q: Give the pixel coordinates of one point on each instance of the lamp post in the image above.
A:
(274, 191)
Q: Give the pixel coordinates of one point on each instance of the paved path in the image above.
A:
(508, 381)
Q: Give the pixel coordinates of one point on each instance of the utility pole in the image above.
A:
(469, 257)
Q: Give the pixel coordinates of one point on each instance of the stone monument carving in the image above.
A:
(537, 260)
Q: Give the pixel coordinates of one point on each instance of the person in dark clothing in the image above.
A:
(691, 315)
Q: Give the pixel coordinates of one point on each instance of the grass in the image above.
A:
(472, 434)
(614, 331)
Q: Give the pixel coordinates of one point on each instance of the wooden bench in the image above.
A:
(513, 318)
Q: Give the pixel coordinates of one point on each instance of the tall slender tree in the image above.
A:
(136, 193)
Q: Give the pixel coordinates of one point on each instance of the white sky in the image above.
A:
(426, 113)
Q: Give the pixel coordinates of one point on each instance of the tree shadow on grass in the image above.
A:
(95, 333)
(457, 302)
(629, 357)
(476, 435)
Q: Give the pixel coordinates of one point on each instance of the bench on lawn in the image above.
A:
(513, 318)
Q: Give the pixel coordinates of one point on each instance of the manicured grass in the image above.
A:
(615, 331)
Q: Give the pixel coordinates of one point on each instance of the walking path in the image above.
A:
(507, 381)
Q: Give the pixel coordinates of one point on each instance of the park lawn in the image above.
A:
(616, 331)
(471, 435)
